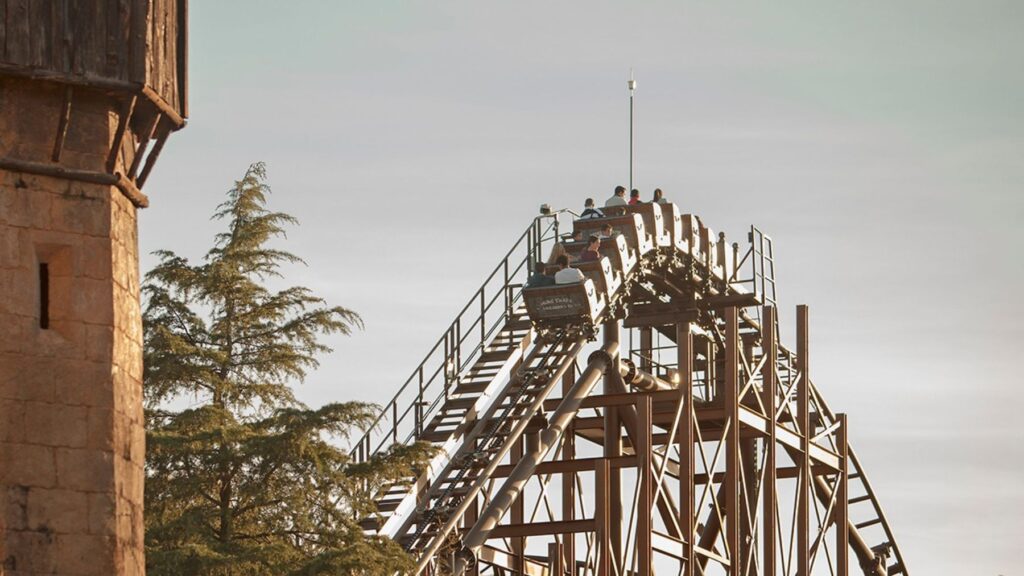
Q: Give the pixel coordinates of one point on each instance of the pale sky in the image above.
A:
(880, 144)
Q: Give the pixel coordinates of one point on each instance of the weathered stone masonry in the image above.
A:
(89, 93)
(71, 429)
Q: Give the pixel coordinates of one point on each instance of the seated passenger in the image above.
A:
(589, 211)
(607, 231)
(617, 199)
(539, 278)
(592, 253)
(659, 197)
(566, 275)
(557, 250)
(634, 197)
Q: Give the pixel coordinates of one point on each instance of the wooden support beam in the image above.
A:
(769, 375)
(731, 383)
(687, 489)
(123, 184)
(122, 128)
(842, 523)
(803, 524)
(140, 150)
(163, 132)
(62, 124)
(645, 497)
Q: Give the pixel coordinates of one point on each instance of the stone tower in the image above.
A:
(90, 90)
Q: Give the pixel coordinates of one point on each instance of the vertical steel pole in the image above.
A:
(613, 446)
(469, 520)
(684, 367)
(842, 522)
(645, 498)
(569, 482)
(804, 420)
(731, 384)
(602, 517)
(518, 542)
(555, 559)
(632, 88)
(647, 349)
(768, 383)
(631, 139)
(748, 505)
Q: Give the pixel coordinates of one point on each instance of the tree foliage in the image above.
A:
(242, 478)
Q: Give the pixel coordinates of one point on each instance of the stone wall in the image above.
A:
(71, 428)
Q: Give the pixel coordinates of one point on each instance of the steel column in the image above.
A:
(613, 446)
(602, 516)
(517, 543)
(803, 524)
(646, 349)
(731, 384)
(645, 496)
(769, 375)
(569, 482)
(555, 559)
(684, 367)
(842, 523)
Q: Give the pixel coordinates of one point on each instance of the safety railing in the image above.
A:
(489, 309)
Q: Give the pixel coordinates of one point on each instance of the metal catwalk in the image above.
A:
(647, 420)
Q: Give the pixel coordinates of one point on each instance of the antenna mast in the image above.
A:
(632, 89)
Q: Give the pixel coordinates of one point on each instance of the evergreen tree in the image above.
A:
(241, 478)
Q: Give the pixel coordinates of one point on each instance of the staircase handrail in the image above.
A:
(451, 360)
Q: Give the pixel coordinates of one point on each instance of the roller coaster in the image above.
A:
(645, 420)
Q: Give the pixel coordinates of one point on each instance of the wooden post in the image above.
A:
(684, 366)
(645, 498)
(768, 395)
(731, 383)
(803, 560)
(842, 522)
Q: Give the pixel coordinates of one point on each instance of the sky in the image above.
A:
(880, 144)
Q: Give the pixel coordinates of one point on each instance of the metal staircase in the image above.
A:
(459, 377)
(491, 439)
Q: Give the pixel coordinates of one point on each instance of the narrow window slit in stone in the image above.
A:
(44, 296)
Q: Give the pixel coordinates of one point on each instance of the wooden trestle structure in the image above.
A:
(646, 421)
